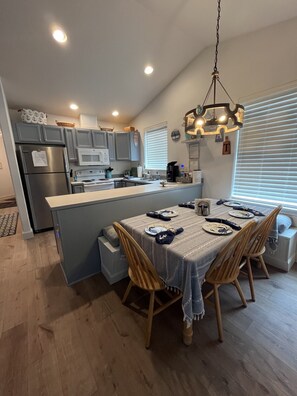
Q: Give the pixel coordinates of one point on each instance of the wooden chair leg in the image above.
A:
(263, 266)
(150, 319)
(240, 292)
(127, 292)
(218, 312)
(251, 278)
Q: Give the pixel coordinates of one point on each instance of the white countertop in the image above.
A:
(87, 198)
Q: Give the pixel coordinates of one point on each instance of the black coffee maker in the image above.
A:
(172, 171)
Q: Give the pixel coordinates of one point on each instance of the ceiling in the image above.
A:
(109, 43)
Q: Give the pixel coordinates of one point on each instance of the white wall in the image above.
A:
(248, 65)
(5, 126)
(6, 187)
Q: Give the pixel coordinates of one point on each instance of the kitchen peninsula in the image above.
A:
(78, 220)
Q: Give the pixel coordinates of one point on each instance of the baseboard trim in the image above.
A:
(28, 234)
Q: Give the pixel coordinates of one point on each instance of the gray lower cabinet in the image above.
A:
(111, 145)
(99, 139)
(84, 138)
(70, 142)
(128, 146)
(77, 188)
(35, 133)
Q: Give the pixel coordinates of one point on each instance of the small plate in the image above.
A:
(167, 213)
(241, 214)
(232, 203)
(217, 228)
(155, 229)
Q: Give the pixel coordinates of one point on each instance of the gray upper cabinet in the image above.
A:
(84, 138)
(134, 146)
(53, 134)
(27, 133)
(99, 139)
(111, 145)
(70, 144)
(128, 146)
(122, 146)
(35, 133)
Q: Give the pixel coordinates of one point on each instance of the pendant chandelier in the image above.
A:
(214, 118)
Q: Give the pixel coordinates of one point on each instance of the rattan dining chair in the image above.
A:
(143, 274)
(225, 270)
(256, 247)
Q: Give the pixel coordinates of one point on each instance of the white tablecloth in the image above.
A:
(183, 264)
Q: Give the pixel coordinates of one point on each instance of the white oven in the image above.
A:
(90, 156)
(92, 180)
(98, 186)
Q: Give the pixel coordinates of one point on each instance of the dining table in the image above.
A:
(183, 263)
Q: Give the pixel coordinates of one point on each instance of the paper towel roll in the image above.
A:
(197, 176)
(139, 171)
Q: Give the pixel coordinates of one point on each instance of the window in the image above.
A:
(266, 163)
(156, 147)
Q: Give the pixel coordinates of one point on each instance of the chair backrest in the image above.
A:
(143, 272)
(261, 233)
(225, 267)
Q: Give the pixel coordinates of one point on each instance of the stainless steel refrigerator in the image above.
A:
(45, 173)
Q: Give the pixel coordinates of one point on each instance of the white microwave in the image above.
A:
(90, 156)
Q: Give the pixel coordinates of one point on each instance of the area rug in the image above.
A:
(7, 203)
(8, 224)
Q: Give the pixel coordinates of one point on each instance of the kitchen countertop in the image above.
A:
(87, 198)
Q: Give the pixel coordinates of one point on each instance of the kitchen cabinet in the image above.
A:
(134, 138)
(77, 188)
(90, 138)
(27, 133)
(99, 139)
(111, 145)
(84, 138)
(70, 142)
(36, 133)
(52, 134)
(128, 146)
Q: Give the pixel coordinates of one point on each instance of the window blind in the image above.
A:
(156, 148)
(266, 163)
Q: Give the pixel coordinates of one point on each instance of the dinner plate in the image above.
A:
(217, 228)
(155, 229)
(167, 213)
(241, 214)
(232, 203)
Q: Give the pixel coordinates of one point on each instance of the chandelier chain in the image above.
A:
(215, 69)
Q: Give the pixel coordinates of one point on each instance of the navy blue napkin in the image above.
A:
(246, 209)
(224, 221)
(166, 237)
(221, 201)
(190, 205)
(157, 215)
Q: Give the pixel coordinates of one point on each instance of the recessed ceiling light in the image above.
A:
(115, 113)
(60, 36)
(73, 106)
(149, 69)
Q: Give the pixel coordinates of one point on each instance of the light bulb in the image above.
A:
(115, 113)
(60, 36)
(148, 70)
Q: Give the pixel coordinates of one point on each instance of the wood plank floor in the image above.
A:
(56, 340)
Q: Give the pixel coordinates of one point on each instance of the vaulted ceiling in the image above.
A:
(109, 43)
